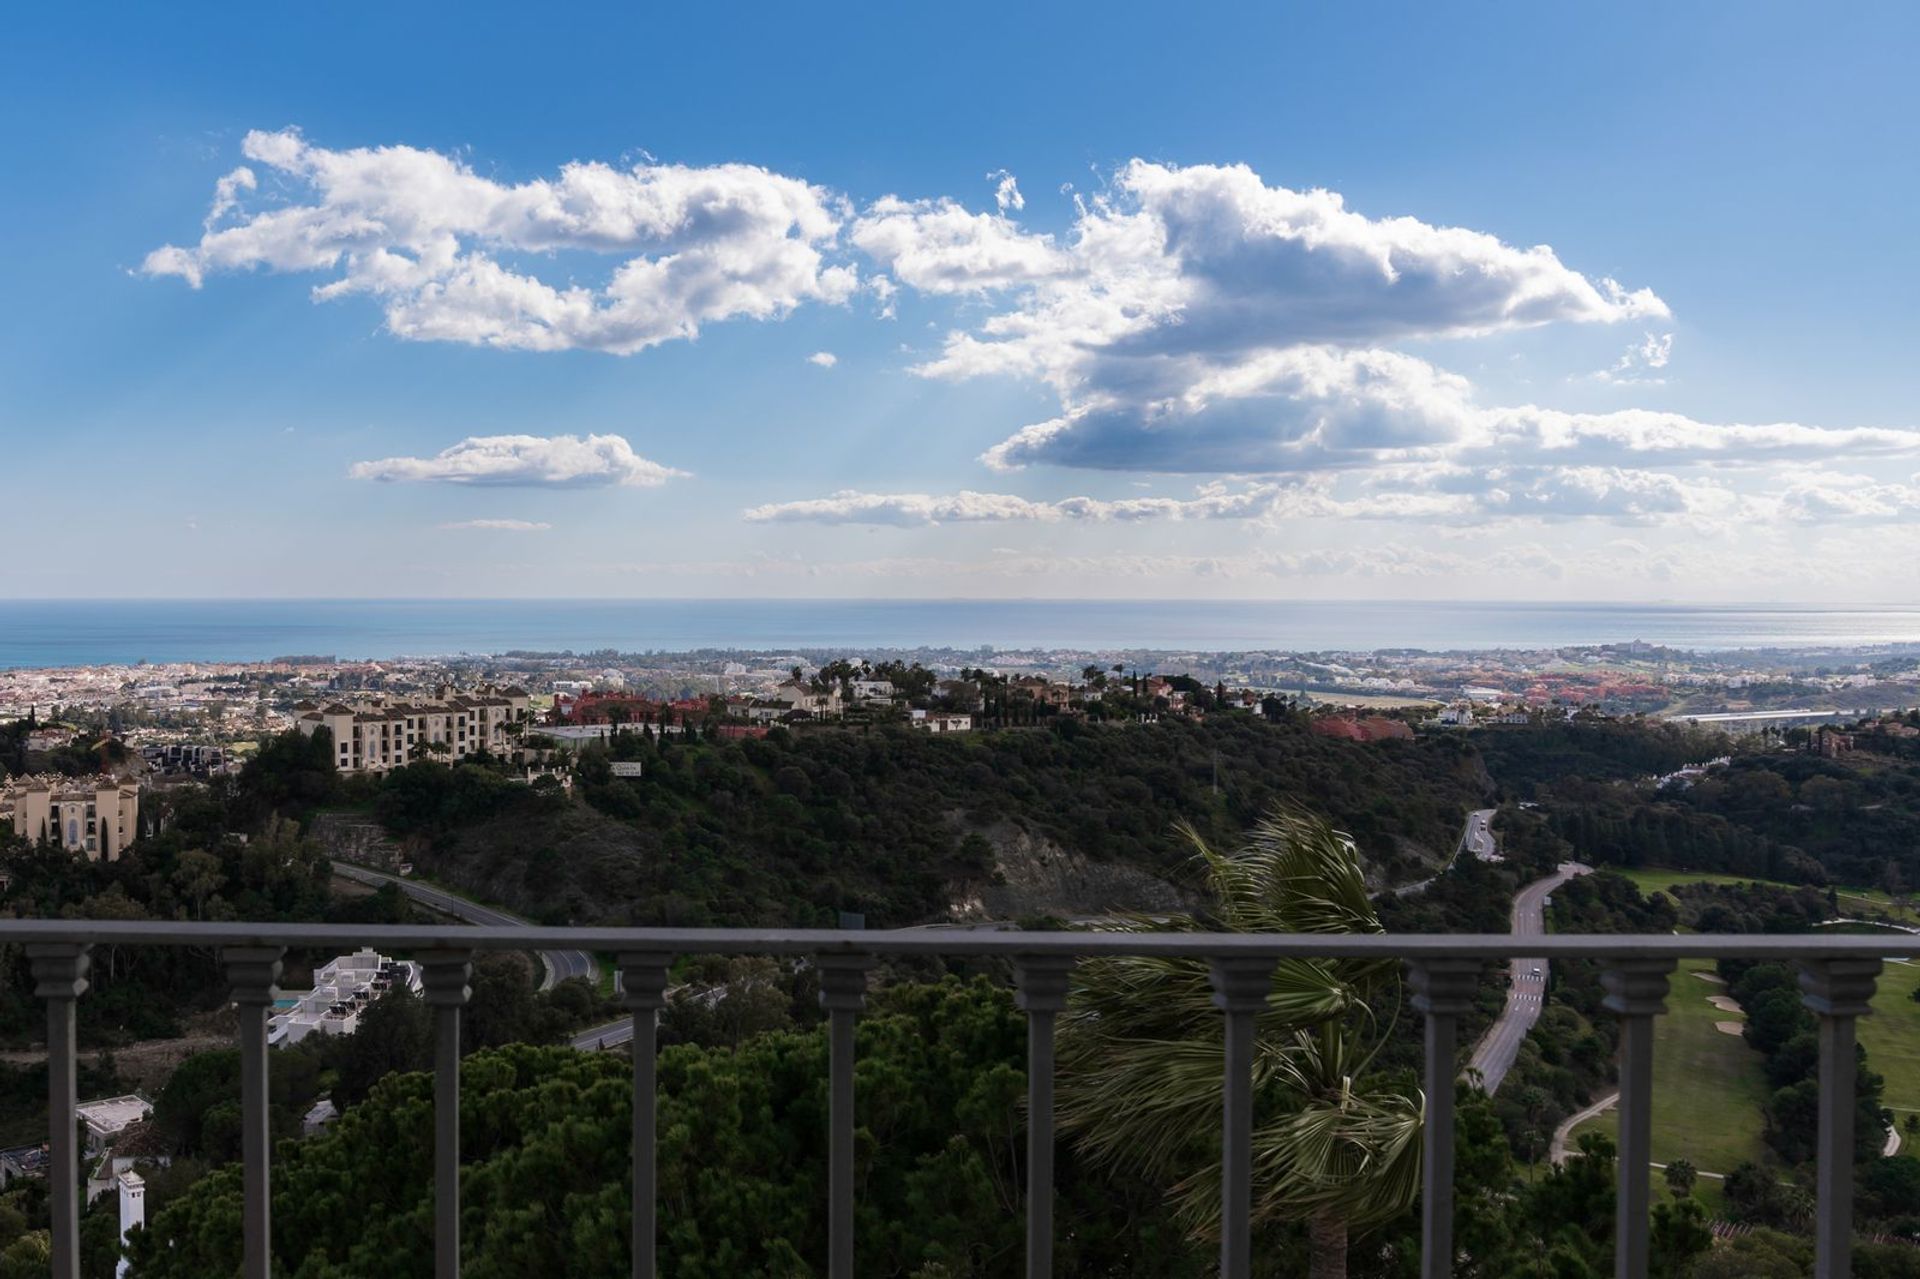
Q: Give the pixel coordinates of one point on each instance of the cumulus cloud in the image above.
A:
(1306, 409)
(1822, 498)
(937, 246)
(1207, 263)
(1602, 492)
(1006, 194)
(1190, 320)
(559, 461)
(425, 234)
(500, 526)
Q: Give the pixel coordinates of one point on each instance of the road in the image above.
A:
(615, 1034)
(1494, 1055)
(560, 965)
(1477, 838)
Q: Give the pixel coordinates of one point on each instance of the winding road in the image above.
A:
(1494, 1055)
(560, 965)
(1476, 838)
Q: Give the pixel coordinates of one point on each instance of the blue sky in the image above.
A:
(475, 301)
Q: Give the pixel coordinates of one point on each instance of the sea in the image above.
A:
(42, 633)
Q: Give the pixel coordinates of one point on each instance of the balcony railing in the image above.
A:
(1837, 975)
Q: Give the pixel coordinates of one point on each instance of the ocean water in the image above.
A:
(90, 632)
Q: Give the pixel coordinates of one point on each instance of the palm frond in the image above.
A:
(1141, 1048)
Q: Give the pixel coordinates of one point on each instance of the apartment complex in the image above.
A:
(372, 735)
(342, 990)
(98, 816)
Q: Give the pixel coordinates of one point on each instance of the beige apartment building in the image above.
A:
(98, 816)
(372, 735)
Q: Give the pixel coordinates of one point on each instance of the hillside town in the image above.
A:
(87, 742)
(182, 715)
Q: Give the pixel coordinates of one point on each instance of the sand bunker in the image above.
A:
(1725, 1003)
(1728, 1027)
(1715, 978)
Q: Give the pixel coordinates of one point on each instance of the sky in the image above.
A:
(1374, 301)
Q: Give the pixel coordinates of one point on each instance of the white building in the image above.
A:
(107, 1118)
(341, 991)
(798, 695)
(936, 722)
(133, 1212)
(373, 735)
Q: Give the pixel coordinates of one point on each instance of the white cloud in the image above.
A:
(1602, 492)
(1307, 409)
(1207, 264)
(1639, 361)
(849, 506)
(1822, 498)
(1006, 194)
(936, 246)
(500, 526)
(560, 461)
(1435, 496)
(423, 233)
(1192, 320)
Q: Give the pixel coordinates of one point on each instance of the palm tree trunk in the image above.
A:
(1327, 1245)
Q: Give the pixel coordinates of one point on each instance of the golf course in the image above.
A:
(1710, 1086)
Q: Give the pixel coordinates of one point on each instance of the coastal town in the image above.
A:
(185, 716)
(90, 741)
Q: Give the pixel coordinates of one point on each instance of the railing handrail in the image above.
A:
(965, 943)
(1445, 971)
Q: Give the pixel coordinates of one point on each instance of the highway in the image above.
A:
(1766, 717)
(560, 965)
(615, 1034)
(1494, 1055)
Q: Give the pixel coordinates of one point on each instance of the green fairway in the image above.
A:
(1658, 880)
(1652, 879)
(1892, 1039)
(1708, 1086)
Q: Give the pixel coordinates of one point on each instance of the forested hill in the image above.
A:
(899, 825)
(1775, 810)
(1524, 761)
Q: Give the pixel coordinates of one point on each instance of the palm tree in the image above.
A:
(1142, 1053)
(1680, 1176)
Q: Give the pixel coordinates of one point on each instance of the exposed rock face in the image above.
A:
(353, 837)
(1035, 876)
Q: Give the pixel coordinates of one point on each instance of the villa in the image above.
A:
(341, 991)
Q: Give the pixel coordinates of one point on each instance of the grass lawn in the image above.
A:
(1892, 1040)
(1852, 900)
(1708, 1086)
(1655, 880)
